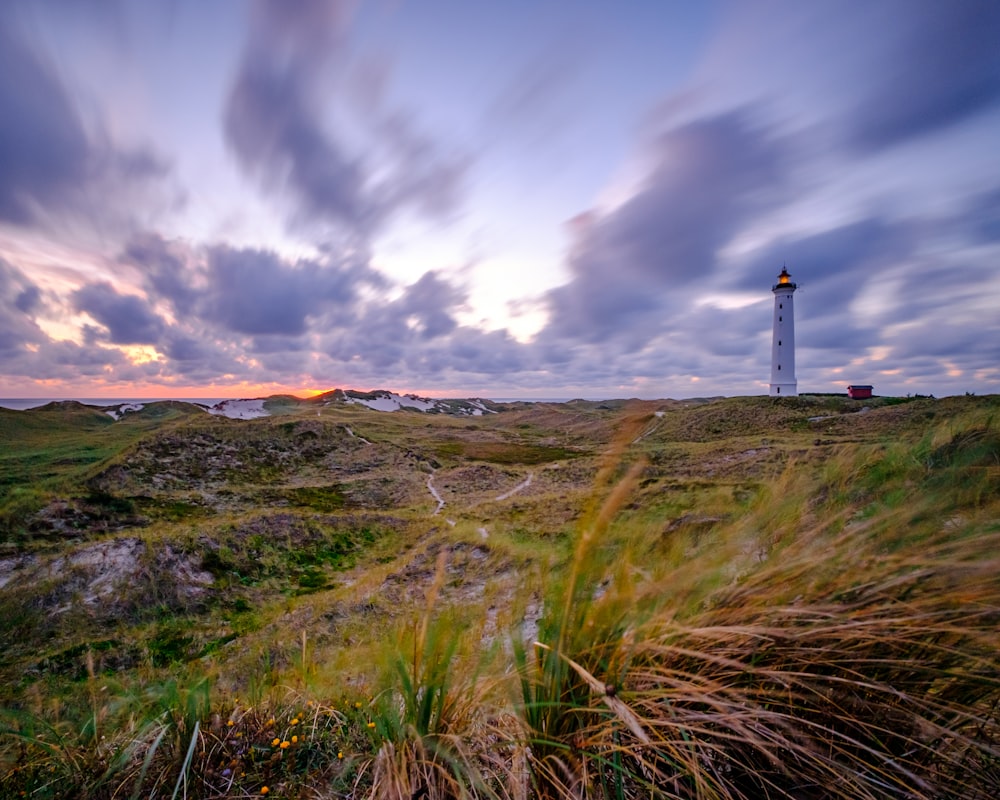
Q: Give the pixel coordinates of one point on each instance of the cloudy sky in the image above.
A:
(520, 199)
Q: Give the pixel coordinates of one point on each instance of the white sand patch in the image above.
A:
(106, 564)
(479, 409)
(239, 409)
(390, 401)
(99, 573)
(10, 568)
(412, 401)
(379, 403)
(117, 413)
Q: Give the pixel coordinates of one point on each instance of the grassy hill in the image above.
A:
(726, 598)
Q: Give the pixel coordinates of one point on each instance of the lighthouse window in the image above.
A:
(779, 319)
(779, 390)
(779, 342)
(780, 306)
(779, 366)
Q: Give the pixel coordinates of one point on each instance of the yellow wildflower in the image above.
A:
(275, 742)
(285, 744)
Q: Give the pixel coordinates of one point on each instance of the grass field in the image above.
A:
(730, 598)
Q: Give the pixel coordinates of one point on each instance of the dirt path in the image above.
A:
(650, 429)
(522, 485)
(440, 500)
(434, 492)
(352, 433)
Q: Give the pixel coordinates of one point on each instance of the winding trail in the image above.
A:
(352, 433)
(434, 492)
(650, 429)
(440, 500)
(522, 485)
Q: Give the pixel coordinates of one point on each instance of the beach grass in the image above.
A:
(768, 605)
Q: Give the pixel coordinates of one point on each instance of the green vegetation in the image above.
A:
(736, 598)
(503, 452)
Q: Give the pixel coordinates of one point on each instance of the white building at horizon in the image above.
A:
(783, 383)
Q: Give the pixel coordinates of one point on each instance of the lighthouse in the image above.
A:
(783, 381)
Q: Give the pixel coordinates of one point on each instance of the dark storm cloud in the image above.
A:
(257, 293)
(269, 345)
(60, 360)
(708, 178)
(69, 360)
(388, 333)
(489, 353)
(198, 353)
(980, 218)
(422, 176)
(417, 335)
(128, 318)
(49, 162)
(44, 152)
(732, 332)
(839, 332)
(273, 117)
(947, 280)
(26, 350)
(251, 292)
(427, 306)
(276, 122)
(696, 340)
(834, 265)
(943, 66)
(19, 297)
(167, 269)
(186, 349)
(28, 300)
(274, 132)
(942, 338)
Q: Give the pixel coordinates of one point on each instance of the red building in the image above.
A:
(859, 392)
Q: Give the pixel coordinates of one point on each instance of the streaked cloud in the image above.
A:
(385, 185)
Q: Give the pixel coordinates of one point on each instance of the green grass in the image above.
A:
(48, 449)
(504, 452)
(682, 609)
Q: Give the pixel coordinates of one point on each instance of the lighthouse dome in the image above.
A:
(784, 281)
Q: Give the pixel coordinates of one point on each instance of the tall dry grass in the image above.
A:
(855, 655)
(838, 640)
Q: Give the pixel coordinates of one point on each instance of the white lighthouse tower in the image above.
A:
(783, 381)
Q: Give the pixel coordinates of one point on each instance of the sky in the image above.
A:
(521, 199)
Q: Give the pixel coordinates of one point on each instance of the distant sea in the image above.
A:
(24, 403)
